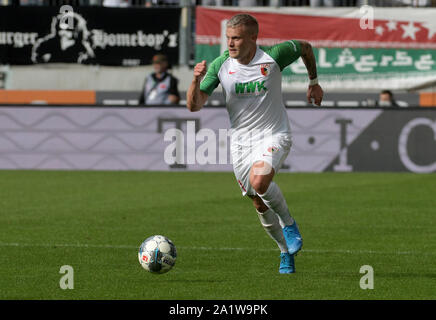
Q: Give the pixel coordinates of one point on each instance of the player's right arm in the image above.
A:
(196, 98)
(314, 91)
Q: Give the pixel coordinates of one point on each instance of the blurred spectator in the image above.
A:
(320, 3)
(334, 3)
(248, 3)
(151, 3)
(386, 99)
(212, 2)
(160, 87)
(28, 2)
(115, 3)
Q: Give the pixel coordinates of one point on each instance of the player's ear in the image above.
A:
(254, 37)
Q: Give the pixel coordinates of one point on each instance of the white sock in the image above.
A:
(271, 224)
(273, 199)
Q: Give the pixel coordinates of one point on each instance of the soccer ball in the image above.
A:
(157, 254)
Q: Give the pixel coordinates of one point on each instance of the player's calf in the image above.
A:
(258, 204)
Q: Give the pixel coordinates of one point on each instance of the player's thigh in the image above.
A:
(241, 168)
(261, 175)
(268, 157)
(272, 151)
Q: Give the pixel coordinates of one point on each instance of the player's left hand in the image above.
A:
(315, 93)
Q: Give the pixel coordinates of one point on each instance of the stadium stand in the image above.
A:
(241, 3)
(97, 84)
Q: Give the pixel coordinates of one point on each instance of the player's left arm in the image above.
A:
(314, 91)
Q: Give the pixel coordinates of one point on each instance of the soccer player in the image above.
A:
(250, 76)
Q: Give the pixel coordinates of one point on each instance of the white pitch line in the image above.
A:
(102, 246)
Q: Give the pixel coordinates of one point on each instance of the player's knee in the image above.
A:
(260, 185)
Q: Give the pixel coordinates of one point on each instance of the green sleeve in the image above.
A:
(211, 80)
(284, 53)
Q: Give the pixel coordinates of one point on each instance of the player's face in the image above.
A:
(240, 42)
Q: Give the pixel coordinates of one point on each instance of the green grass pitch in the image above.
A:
(95, 222)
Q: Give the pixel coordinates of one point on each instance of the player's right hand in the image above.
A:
(200, 69)
(315, 93)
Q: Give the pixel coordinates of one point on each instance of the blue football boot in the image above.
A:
(293, 238)
(287, 264)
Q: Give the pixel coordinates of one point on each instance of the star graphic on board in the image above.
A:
(392, 25)
(431, 27)
(379, 30)
(409, 30)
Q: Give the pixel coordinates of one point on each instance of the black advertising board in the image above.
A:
(88, 35)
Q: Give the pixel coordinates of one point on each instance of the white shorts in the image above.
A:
(272, 150)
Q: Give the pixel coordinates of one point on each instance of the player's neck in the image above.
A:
(247, 59)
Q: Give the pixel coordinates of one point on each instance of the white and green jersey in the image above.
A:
(253, 92)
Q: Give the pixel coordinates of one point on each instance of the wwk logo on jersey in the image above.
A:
(250, 87)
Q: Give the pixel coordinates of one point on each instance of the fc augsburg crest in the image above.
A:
(264, 69)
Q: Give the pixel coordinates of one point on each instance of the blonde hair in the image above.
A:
(246, 20)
